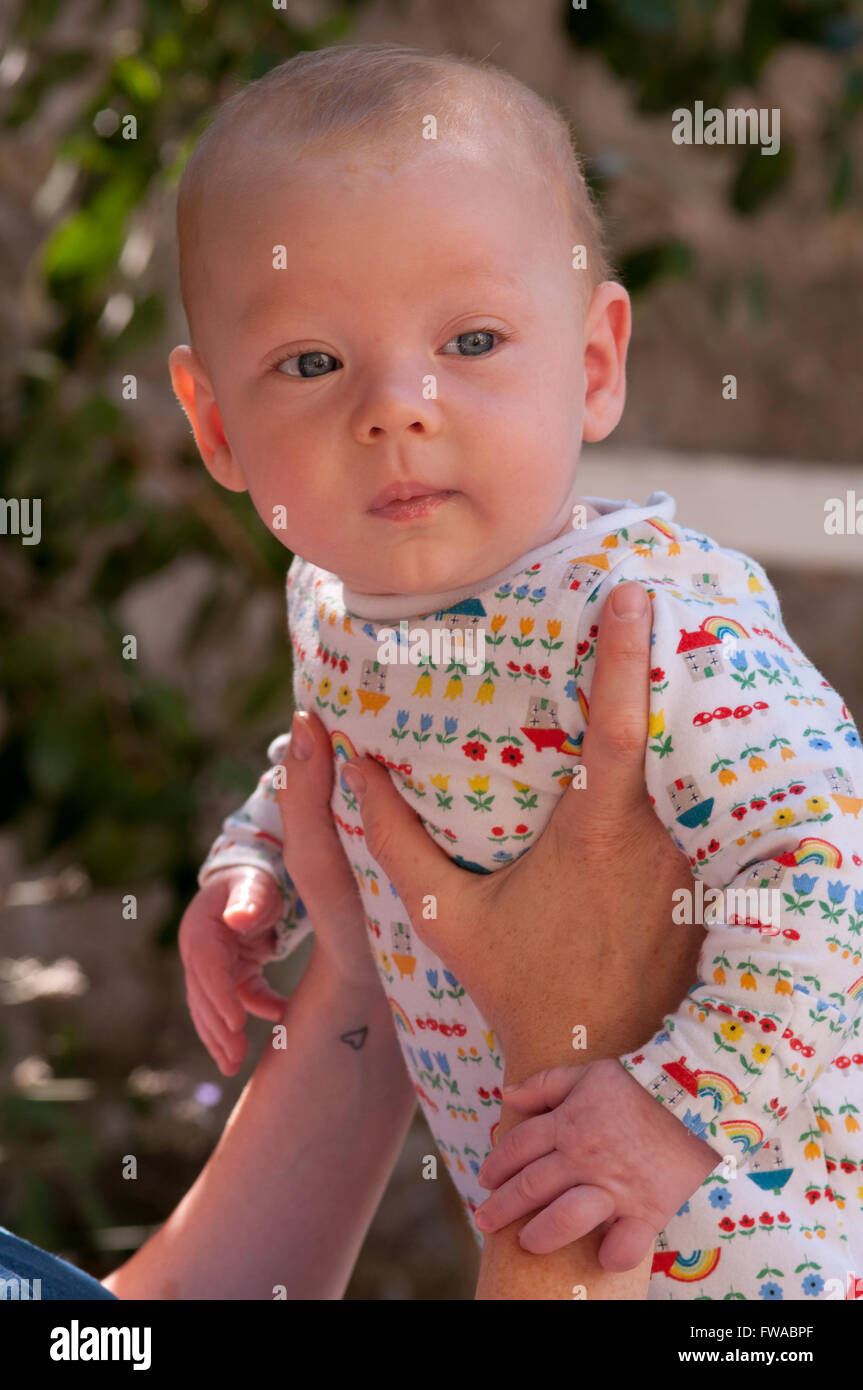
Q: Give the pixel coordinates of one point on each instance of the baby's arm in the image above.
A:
(736, 1058)
(246, 912)
(251, 837)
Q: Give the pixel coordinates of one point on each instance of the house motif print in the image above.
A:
(372, 691)
(691, 807)
(588, 570)
(542, 727)
(704, 649)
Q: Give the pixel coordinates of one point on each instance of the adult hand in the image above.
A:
(606, 954)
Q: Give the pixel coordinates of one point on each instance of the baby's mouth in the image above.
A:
(412, 508)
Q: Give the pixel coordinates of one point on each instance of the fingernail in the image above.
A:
(516, 1086)
(481, 1220)
(629, 601)
(354, 779)
(302, 746)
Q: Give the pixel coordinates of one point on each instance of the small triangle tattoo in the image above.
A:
(355, 1038)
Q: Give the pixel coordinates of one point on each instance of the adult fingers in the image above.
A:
(312, 849)
(395, 837)
(615, 740)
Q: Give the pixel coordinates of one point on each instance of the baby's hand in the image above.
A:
(599, 1148)
(226, 936)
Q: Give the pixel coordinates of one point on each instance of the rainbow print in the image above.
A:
(662, 527)
(401, 1018)
(745, 1133)
(343, 751)
(712, 1085)
(686, 1269)
(726, 629)
(815, 851)
(856, 989)
(583, 704)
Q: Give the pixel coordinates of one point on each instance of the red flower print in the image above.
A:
(739, 812)
(758, 803)
(511, 666)
(638, 1059)
(528, 669)
(813, 1196)
(581, 648)
(496, 1093)
(767, 1025)
(497, 830)
(713, 846)
(746, 1222)
(474, 750)
(746, 1015)
(784, 1217)
(848, 1165)
(521, 830)
(593, 631)
(726, 1224)
(512, 755)
(766, 1219)
(797, 788)
(657, 674)
(544, 673)
(481, 1091)
(343, 665)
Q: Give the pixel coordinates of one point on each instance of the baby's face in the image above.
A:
(428, 328)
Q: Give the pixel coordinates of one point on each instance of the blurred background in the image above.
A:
(115, 774)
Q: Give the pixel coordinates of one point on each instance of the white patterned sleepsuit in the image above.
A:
(754, 767)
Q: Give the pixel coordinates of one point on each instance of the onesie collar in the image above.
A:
(581, 541)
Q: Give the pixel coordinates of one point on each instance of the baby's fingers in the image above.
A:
(253, 902)
(576, 1213)
(530, 1140)
(534, 1186)
(262, 1001)
(544, 1090)
(226, 1047)
(626, 1245)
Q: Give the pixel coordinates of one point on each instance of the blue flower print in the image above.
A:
(402, 718)
(738, 660)
(450, 725)
(812, 1285)
(431, 976)
(836, 892)
(804, 883)
(762, 658)
(720, 1198)
(858, 901)
(443, 1062)
(450, 979)
(425, 1058)
(852, 738)
(771, 1292)
(821, 745)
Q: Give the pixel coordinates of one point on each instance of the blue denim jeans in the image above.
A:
(26, 1272)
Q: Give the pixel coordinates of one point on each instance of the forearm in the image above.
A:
(289, 1193)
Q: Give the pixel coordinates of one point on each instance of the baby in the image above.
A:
(403, 329)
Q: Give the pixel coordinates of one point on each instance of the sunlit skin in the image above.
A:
(388, 265)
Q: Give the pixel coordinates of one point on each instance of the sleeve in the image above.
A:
(755, 768)
(253, 836)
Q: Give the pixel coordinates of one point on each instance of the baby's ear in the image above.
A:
(194, 391)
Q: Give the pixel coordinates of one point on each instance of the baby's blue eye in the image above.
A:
(311, 364)
(477, 341)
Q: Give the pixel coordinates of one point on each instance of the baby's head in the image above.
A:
(378, 268)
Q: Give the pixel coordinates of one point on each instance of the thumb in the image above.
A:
(253, 902)
(396, 839)
(627, 1243)
(616, 736)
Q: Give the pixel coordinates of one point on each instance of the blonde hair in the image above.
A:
(362, 96)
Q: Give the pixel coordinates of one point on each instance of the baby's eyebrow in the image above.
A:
(480, 277)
